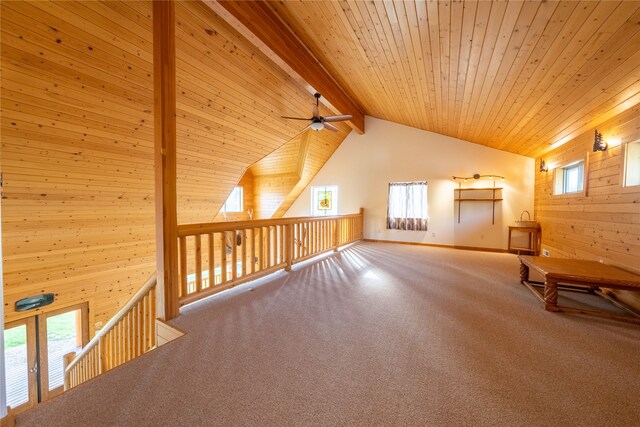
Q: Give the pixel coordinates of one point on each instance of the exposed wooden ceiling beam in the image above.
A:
(260, 25)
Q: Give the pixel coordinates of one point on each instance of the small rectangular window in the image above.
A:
(407, 206)
(631, 164)
(234, 201)
(570, 178)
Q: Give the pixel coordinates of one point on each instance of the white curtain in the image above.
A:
(407, 208)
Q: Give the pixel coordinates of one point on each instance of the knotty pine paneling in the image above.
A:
(281, 176)
(605, 223)
(77, 153)
(508, 75)
(77, 140)
(271, 191)
(230, 99)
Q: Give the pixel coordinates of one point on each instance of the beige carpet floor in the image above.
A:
(378, 334)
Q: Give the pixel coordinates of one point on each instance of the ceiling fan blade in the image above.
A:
(315, 111)
(331, 127)
(340, 118)
(293, 118)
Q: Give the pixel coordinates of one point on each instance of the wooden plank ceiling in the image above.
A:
(517, 76)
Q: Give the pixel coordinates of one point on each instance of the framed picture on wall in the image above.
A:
(325, 200)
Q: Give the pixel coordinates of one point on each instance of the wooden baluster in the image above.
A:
(147, 308)
(305, 239)
(131, 336)
(234, 256)
(121, 339)
(152, 318)
(280, 239)
(128, 332)
(296, 240)
(253, 250)
(102, 356)
(288, 246)
(198, 243)
(223, 257)
(212, 264)
(243, 264)
(260, 249)
(183, 266)
(135, 321)
(324, 235)
(267, 245)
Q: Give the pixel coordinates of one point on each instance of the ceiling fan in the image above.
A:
(318, 122)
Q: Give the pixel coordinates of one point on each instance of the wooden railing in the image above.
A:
(217, 256)
(213, 257)
(129, 334)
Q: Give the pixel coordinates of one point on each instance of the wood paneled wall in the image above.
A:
(77, 159)
(77, 140)
(605, 223)
(282, 176)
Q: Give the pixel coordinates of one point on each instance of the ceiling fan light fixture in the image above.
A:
(317, 126)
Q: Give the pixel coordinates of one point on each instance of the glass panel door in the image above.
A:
(34, 351)
(61, 332)
(21, 364)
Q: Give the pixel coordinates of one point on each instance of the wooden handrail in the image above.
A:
(142, 292)
(216, 227)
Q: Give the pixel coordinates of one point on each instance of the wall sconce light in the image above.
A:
(543, 166)
(598, 143)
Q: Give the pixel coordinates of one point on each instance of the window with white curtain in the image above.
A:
(407, 208)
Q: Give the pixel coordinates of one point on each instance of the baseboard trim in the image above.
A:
(464, 248)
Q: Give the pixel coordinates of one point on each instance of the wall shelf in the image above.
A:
(478, 194)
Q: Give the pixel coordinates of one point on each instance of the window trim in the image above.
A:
(560, 170)
(623, 165)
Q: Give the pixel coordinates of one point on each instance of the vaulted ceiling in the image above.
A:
(517, 76)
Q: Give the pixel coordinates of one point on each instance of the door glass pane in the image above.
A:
(15, 353)
(63, 336)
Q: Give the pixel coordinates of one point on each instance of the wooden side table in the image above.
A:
(534, 239)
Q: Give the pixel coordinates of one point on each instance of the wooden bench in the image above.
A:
(574, 274)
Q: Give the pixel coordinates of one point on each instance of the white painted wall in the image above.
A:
(364, 165)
